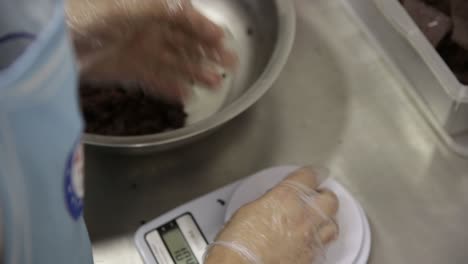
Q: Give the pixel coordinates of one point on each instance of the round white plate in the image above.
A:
(343, 251)
(366, 246)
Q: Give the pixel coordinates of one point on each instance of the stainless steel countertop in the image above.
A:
(336, 104)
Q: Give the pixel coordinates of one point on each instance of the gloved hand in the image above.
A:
(163, 44)
(292, 223)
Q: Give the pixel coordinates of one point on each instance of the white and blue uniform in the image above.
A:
(41, 160)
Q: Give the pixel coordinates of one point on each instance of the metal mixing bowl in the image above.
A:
(264, 32)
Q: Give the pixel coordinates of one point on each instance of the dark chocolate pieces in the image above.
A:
(442, 5)
(460, 22)
(433, 23)
(449, 38)
(113, 110)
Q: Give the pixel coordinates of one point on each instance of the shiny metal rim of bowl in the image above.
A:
(286, 35)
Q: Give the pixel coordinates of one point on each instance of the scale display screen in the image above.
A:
(176, 243)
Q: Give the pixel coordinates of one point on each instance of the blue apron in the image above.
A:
(41, 159)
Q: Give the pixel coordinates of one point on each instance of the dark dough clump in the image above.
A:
(433, 23)
(445, 24)
(113, 110)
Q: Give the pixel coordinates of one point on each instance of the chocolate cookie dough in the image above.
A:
(113, 110)
(445, 24)
(460, 22)
(433, 23)
(442, 5)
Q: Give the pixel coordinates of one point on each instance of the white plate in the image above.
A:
(349, 217)
(366, 246)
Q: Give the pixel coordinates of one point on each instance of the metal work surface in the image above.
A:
(336, 104)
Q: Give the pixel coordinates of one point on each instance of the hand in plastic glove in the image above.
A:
(162, 43)
(290, 224)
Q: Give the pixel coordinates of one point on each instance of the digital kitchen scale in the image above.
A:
(182, 235)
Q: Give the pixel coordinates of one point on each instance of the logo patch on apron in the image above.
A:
(74, 182)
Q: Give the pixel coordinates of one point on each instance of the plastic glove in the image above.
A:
(292, 223)
(163, 44)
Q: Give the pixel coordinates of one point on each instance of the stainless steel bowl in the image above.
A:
(264, 32)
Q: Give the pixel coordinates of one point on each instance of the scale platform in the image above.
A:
(182, 235)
